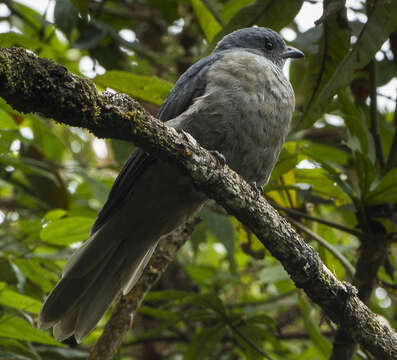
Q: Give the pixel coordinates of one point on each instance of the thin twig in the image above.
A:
(262, 302)
(294, 212)
(248, 341)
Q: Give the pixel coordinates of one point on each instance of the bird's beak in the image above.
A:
(291, 52)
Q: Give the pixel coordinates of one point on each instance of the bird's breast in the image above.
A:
(249, 101)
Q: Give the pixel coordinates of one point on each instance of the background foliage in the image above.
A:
(224, 298)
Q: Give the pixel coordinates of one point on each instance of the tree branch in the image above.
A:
(31, 84)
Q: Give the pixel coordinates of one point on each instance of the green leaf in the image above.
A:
(46, 139)
(381, 22)
(326, 153)
(6, 121)
(207, 301)
(13, 299)
(322, 184)
(28, 166)
(121, 150)
(205, 342)
(206, 19)
(65, 16)
(385, 191)
(148, 88)
(34, 269)
(17, 328)
(67, 231)
(11, 38)
(232, 7)
(98, 189)
(223, 229)
(28, 20)
(201, 274)
(273, 274)
(55, 214)
(385, 71)
(286, 162)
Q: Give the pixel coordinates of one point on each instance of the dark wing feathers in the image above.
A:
(189, 86)
(135, 165)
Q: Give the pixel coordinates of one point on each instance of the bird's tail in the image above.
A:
(94, 276)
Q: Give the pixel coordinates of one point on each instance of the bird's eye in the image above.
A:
(268, 45)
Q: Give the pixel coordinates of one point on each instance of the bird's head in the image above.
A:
(261, 40)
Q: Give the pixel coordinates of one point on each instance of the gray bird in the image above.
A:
(236, 102)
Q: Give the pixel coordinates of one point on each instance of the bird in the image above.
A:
(237, 103)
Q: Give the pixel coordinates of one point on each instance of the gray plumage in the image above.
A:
(236, 101)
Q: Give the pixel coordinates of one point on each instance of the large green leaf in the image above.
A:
(67, 231)
(148, 88)
(45, 137)
(232, 7)
(13, 299)
(20, 329)
(326, 153)
(385, 191)
(322, 184)
(206, 19)
(28, 166)
(287, 161)
(381, 22)
(36, 272)
(6, 121)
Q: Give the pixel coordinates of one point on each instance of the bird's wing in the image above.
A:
(189, 86)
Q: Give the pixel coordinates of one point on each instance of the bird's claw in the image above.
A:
(258, 190)
(220, 158)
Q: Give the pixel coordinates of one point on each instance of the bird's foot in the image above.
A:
(258, 190)
(220, 158)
